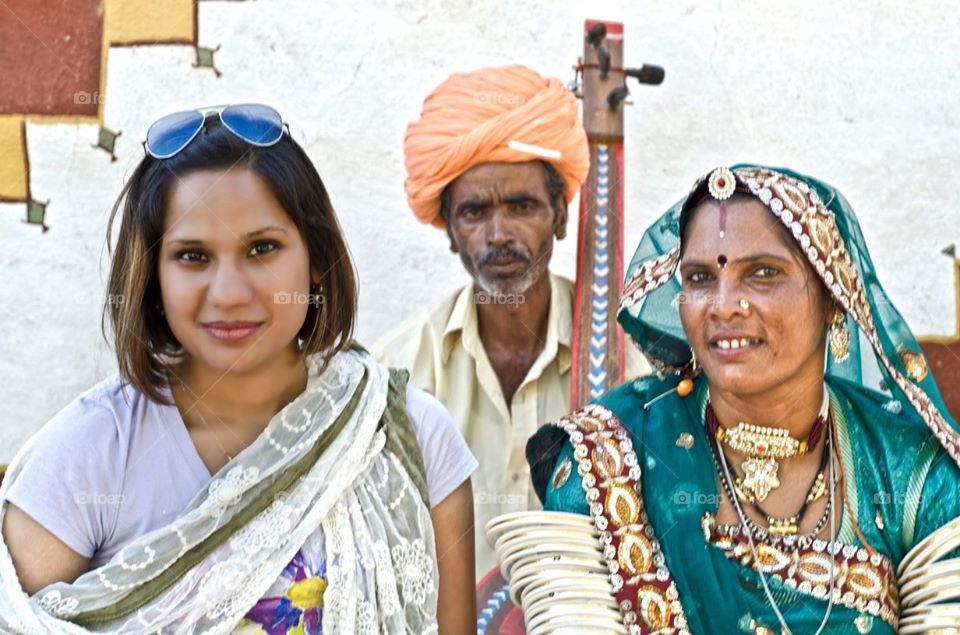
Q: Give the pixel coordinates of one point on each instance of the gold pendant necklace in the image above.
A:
(787, 525)
(817, 490)
(760, 476)
(764, 448)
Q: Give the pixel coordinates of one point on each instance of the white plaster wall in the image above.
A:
(860, 93)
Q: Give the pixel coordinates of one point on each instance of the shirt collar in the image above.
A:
(462, 325)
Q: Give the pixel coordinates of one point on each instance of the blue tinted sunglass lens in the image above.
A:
(256, 123)
(171, 134)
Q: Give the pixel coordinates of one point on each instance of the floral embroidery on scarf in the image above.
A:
(226, 492)
(415, 569)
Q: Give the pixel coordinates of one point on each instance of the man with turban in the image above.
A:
(494, 159)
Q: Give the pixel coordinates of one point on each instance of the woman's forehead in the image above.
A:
(749, 227)
(230, 202)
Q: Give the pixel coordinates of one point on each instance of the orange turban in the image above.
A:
(506, 114)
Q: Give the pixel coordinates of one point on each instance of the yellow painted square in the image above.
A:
(148, 21)
(13, 162)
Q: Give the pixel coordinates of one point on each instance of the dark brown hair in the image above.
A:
(143, 342)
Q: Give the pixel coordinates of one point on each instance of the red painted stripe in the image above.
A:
(585, 194)
(617, 258)
(614, 29)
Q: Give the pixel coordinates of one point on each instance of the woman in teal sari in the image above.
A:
(793, 446)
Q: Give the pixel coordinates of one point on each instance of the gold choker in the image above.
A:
(764, 448)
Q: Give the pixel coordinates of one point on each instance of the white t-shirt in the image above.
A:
(114, 465)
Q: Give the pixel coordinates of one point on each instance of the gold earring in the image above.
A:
(694, 364)
(839, 337)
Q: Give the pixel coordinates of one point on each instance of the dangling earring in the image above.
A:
(839, 337)
(694, 364)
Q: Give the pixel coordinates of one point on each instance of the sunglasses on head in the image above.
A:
(256, 124)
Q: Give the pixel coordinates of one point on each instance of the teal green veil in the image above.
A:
(884, 354)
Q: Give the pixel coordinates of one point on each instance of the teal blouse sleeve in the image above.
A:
(939, 501)
(565, 487)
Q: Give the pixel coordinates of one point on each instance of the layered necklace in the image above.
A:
(781, 525)
(738, 491)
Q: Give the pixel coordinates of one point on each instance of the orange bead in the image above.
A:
(685, 387)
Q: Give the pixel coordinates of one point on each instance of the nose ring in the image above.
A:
(744, 304)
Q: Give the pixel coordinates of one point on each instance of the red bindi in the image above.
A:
(722, 261)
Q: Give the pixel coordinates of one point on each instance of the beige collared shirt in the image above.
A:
(446, 358)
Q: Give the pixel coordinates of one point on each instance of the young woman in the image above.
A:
(249, 468)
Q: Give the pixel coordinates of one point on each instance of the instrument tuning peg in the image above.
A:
(616, 96)
(603, 54)
(596, 34)
(646, 74)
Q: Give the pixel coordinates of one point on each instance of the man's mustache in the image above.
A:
(501, 253)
